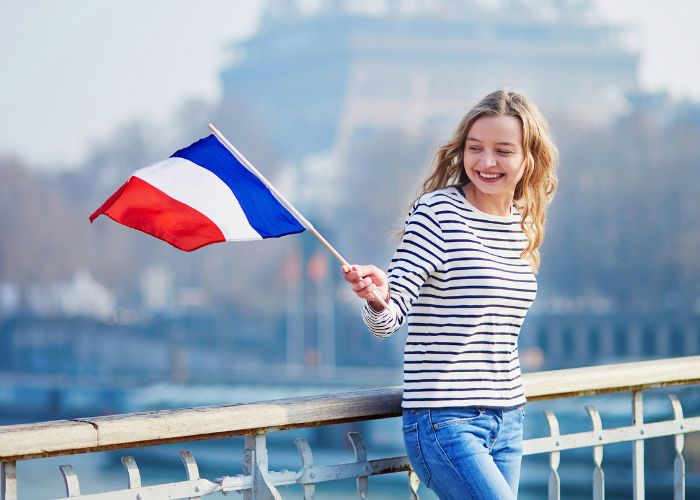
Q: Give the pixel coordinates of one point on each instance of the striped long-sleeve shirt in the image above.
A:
(458, 278)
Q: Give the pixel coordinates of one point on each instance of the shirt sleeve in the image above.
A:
(420, 253)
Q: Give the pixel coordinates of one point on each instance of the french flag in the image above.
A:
(201, 195)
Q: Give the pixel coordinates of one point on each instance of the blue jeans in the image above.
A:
(466, 453)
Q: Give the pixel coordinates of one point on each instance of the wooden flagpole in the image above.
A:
(286, 204)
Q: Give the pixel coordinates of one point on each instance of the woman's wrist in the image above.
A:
(376, 305)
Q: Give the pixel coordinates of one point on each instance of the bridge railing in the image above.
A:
(256, 420)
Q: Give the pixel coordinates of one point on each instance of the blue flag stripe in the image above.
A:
(265, 214)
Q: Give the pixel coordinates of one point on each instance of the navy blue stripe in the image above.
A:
(399, 286)
(477, 287)
(490, 380)
(452, 315)
(426, 250)
(457, 361)
(462, 325)
(412, 271)
(466, 229)
(476, 268)
(456, 278)
(379, 322)
(410, 252)
(471, 212)
(464, 370)
(264, 213)
(416, 213)
(504, 240)
(454, 353)
(510, 248)
(490, 247)
(458, 259)
(422, 237)
(467, 306)
(399, 304)
(486, 248)
(466, 249)
(458, 201)
(478, 342)
(461, 231)
(520, 394)
(416, 223)
(409, 272)
(432, 333)
(442, 297)
(461, 389)
(405, 277)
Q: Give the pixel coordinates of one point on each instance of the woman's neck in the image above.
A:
(499, 205)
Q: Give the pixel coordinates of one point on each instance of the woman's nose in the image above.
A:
(489, 160)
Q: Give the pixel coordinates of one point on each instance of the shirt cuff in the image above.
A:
(379, 322)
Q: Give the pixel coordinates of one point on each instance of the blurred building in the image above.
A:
(319, 77)
(82, 295)
(552, 341)
(157, 288)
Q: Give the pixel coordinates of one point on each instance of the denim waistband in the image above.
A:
(483, 409)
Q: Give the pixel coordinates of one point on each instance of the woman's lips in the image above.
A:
(490, 176)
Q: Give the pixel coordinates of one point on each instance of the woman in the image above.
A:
(463, 276)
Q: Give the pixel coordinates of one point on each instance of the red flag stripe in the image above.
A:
(140, 205)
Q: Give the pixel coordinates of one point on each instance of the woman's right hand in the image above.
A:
(368, 282)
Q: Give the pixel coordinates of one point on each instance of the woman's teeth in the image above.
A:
(489, 176)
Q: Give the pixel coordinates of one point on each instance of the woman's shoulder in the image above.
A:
(446, 195)
(438, 207)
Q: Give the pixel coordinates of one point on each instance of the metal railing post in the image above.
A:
(638, 446)
(255, 465)
(678, 441)
(360, 448)
(70, 478)
(413, 485)
(8, 480)
(307, 462)
(554, 484)
(190, 467)
(598, 475)
(132, 471)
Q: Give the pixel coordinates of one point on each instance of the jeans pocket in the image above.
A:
(446, 418)
(413, 451)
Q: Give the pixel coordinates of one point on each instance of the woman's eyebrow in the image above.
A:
(511, 144)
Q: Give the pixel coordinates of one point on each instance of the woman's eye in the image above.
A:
(474, 148)
(504, 151)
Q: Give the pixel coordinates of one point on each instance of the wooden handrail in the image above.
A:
(67, 437)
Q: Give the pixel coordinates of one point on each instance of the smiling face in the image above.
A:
(493, 154)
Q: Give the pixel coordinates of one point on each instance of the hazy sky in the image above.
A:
(71, 71)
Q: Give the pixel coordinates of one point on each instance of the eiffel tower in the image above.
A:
(319, 76)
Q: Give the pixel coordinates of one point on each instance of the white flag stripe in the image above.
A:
(199, 188)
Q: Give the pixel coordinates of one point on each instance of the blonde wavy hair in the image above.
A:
(538, 183)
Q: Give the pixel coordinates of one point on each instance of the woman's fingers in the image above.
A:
(361, 284)
(373, 272)
(368, 282)
(352, 274)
